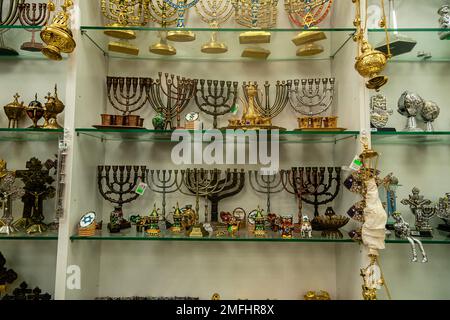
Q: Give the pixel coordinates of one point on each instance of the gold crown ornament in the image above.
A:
(57, 36)
(369, 62)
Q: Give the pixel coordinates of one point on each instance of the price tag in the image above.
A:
(140, 189)
(356, 164)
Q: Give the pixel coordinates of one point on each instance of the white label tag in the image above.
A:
(356, 164)
(140, 189)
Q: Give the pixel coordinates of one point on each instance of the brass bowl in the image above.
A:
(331, 223)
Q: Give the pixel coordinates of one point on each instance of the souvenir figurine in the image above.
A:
(37, 186)
(422, 210)
(379, 113)
(403, 231)
(177, 226)
(260, 224)
(35, 111)
(410, 105)
(232, 226)
(153, 229)
(305, 229)
(274, 221)
(287, 226)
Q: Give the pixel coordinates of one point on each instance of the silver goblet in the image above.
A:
(429, 112)
(409, 105)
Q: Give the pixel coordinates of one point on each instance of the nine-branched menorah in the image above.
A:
(319, 188)
(33, 15)
(117, 184)
(265, 183)
(127, 94)
(177, 91)
(311, 97)
(215, 98)
(263, 104)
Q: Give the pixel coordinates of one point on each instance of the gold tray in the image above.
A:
(99, 126)
(321, 129)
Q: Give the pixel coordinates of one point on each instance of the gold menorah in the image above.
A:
(164, 15)
(214, 13)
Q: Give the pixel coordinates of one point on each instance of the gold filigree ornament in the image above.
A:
(369, 62)
(57, 36)
(373, 279)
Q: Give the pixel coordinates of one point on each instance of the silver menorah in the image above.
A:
(266, 184)
(311, 97)
(163, 182)
(215, 98)
(177, 91)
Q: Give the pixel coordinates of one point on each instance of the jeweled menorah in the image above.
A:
(215, 98)
(33, 15)
(267, 184)
(321, 185)
(177, 91)
(117, 185)
(311, 97)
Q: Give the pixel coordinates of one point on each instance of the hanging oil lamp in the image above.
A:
(369, 62)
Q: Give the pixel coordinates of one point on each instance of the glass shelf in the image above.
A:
(428, 41)
(15, 36)
(411, 138)
(51, 235)
(243, 235)
(281, 46)
(29, 134)
(141, 135)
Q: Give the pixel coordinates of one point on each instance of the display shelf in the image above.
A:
(428, 41)
(15, 36)
(411, 138)
(281, 46)
(29, 134)
(132, 235)
(147, 135)
(49, 235)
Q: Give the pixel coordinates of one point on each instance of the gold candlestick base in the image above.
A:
(376, 82)
(310, 49)
(251, 37)
(256, 53)
(308, 37)
(181, 36)
(122, 47)
(120, 34)
(214, 47)
(163, 49)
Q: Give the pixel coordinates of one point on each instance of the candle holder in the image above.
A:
(11, 10)
(33, 15)
(164, 15)
(266, 184)
(52, 108)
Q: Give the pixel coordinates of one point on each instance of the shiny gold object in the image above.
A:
(181, 35)
(162, 13)
(321, 295)
(256, 53)
(251, 37)
(369, 62)
(215, 296)
(372, 281)
(14, 111)
(309, 49)
(123, 47)
(52, 107)
(58, 36)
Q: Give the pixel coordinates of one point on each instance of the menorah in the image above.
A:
(267, 109)
(319, 189)
(182, 7)
(117, 185)
(292, 181)
(125, 13)
(256, 14)
(267, 184)
(203, 183)
(307, 14)
(126, 95)
(216, 98)
(11, 8)
(165, 15)
(177, 91)
(33, 15)
(163, 182)
(214, 13)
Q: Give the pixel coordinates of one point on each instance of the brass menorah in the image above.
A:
(177, 91)
(127, 95)
(33, 15)
(214, 13)
(182, 7)
(117, 185)
(320, 189)
(267, 184)
(163, 14)
(311, 97)
(215, 98)
(163, 182)
(11, 10)
(292, 181)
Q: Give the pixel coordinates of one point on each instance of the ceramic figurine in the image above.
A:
(287, 226)
(306, 229)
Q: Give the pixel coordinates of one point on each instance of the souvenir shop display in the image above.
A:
(9, 192)
(390, 184)
(34, 15)
(307, 15)
(423, 211)
(153, 219)
(57, 35)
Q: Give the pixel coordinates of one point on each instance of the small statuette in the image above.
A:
(287, 226)
(423, 211)
(153, 229)
(402, 230)
(306, 229)
(177, 226)
(260, 224)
